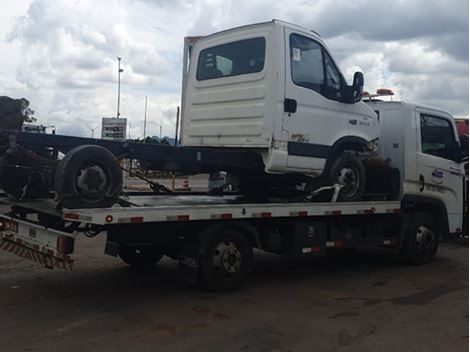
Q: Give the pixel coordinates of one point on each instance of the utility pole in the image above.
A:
(145, 117)
(160, 132)
(177, 124)
(120, 70)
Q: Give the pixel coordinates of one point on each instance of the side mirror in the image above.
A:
(353, 93)
(358, 81)
(358, 86)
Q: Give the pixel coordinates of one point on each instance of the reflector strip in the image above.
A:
(366, 211)
(224, 216)
(338, 243)
(71, 216)
(315, 249)
(137, 219)
(262, 215)
(299, 213)
(47, 261)
(333, 212)
(395, 210)
(177, 217)
(335, 243)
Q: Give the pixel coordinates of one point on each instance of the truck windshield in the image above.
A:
(232, 59)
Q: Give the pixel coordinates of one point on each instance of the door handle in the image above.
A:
(290, 105)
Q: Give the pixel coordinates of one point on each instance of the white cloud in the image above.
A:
(63, 53)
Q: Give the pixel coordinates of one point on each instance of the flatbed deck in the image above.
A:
(167, 208)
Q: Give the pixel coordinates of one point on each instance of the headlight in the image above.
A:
(373, 146)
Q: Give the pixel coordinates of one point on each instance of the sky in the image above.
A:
(61, 55)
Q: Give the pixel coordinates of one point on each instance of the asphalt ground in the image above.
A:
(364, 301)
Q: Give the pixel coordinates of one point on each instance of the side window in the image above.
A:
(437, 137)
(232, 59)
(306, 63)
(333, 79)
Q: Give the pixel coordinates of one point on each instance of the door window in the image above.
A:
(437, 137)
(306, 63)
(313, 68)
(333, 79)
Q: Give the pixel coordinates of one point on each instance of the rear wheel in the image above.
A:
(226, 261)
(348, 171)
(140, 257)
(421, 239)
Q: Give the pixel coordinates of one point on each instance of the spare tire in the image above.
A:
(89, 176)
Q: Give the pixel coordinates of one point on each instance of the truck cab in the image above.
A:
(423, 143)
(275, 88)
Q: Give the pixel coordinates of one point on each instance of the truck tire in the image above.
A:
(140, 257)
(89, 176)
(348, 170)
(421, 239)
(226, 260)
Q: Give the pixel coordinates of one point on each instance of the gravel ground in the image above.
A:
(366, 301)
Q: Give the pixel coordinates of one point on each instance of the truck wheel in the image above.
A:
(421, 239)
(226, 261)
(347, 170)
(140, 257)
(89, 176)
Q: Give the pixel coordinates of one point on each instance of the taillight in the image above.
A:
(65, 244)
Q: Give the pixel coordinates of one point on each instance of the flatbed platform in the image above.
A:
(167, 208)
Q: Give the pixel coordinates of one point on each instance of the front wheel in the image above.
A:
(421, 239)
(348, 171)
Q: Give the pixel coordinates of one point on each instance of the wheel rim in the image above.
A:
(348, 177)
(92, 180)
(425, 239)
(227, 258)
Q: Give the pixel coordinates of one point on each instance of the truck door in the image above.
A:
(314, 118)
(439, 175)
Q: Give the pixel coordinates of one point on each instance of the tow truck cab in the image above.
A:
(423, 143)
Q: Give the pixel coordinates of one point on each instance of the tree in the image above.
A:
(14, 112)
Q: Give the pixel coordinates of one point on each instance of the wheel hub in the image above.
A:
(227, 257)
(425, 238)
(91, 179)
(348, 178)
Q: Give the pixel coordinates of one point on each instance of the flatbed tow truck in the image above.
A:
(213, 236)
(413, 197)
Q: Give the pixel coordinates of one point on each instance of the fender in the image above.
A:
(250, 231)
(411, 201)
(341, 144)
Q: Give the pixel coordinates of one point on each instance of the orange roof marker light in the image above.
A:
(381, 92)
(384, 91)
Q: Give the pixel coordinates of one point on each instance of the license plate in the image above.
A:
(11, 225)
